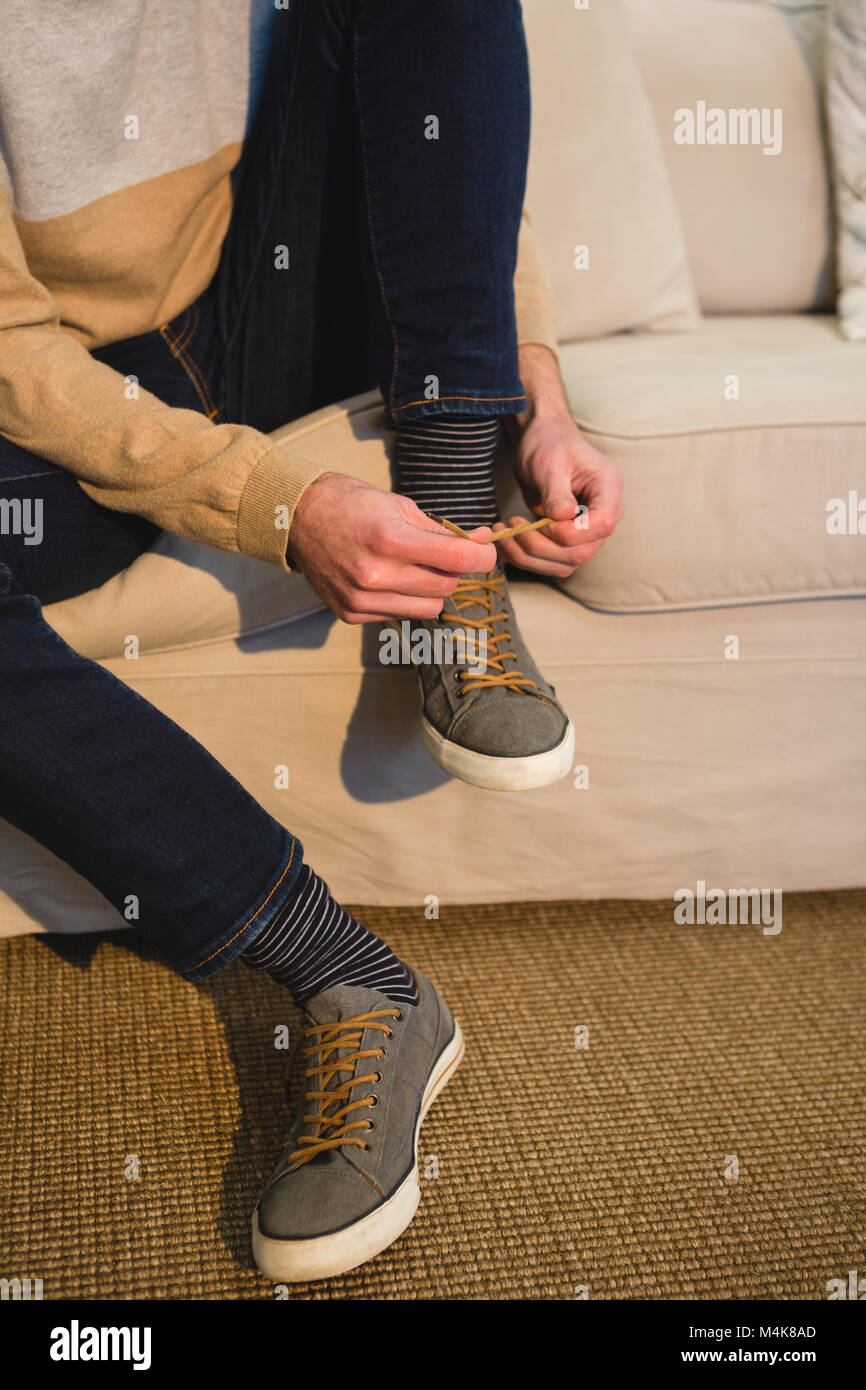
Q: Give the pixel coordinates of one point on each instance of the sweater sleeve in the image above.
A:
(222, 484)
(534, 304)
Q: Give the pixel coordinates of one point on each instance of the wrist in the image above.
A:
(297, 522)
(542, 384)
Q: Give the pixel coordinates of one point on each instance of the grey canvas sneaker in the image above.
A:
(505, 729)
(347, 1183)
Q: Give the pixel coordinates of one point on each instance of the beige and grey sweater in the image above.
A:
(120, 126)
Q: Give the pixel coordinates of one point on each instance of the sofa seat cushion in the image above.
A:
(180, 594)
(741, 446)
(726, 498)
(736, 94)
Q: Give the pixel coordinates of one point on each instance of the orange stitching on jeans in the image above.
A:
(177, 347)
(395, 408)
(177, 341)
(252, 919)
(199, 383)
(190, 324)
(180, 332)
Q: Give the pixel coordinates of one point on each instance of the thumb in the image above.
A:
(413, 513)
(555, 487)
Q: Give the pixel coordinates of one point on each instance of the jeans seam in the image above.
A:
(177, 348)
(492, 399)
(190, 324)
(200, 384)
(373, 249)
(248, 923)
(175, 340)
(24, 477)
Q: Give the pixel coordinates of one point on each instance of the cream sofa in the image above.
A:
(713, 656)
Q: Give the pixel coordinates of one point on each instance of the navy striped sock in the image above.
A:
(445, 464)
(315, 943)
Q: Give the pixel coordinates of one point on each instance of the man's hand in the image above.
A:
(556, 466)
(373, 555)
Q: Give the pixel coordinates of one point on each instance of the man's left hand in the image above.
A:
(555, 467)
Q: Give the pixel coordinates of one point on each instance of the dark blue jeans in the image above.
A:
(401, 253)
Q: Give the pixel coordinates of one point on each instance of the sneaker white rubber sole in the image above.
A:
(322, 1257)
(499, 774)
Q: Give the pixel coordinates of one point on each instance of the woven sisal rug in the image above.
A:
(705, 1140)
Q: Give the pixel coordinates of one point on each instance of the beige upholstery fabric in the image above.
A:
(758, 227)
(740, 771)
(726, 499)
(743, 773)
(597, 177)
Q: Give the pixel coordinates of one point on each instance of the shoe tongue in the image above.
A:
(345, 1001)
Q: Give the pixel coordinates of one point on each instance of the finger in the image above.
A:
(356, 619)
(564, 533)
(602, 497)
(415, 517)
(440, 549)
(391, 605)
(572, 557)
(419, 580)
(555, 486)
(512, 552)
(540, 545)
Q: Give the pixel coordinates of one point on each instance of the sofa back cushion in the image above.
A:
(600, 194)
(756, 209)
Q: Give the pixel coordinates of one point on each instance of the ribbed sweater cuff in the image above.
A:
(273, 490)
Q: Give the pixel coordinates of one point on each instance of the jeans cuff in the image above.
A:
(472, 405)
(235, 939)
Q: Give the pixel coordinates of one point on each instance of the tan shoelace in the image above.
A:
(481, 591)
(333, 1131)
(509, 531)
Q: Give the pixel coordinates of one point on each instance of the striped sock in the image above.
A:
(445, 464)
(315, 944)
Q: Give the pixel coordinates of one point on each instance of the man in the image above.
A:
(215, 219)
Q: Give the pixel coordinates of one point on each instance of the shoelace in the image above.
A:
(333, 1130)
(481, 591)
(504, 535)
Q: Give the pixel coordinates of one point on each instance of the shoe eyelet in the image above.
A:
(389, 1033)
(383, 1052)
(399, 1016)
(371, 1124)
(373, 1100)
(379, 1079)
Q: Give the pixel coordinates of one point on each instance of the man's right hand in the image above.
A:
(372, 554)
